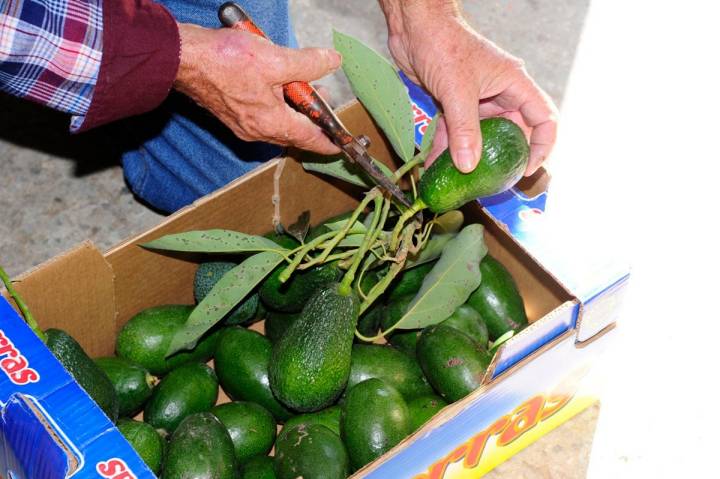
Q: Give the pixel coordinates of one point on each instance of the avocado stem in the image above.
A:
(419, 205)
(370, 238)
(27, 315)
(285, 275)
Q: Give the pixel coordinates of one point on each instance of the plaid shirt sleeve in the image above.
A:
(51, 52)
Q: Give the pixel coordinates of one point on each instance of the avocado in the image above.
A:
(276, 323)
(468, 320)
(200, 448)
(189, 389)
(329, 417)
(409, 281)
(452, 361)
(146, 337)
(505, 153)
(84, 370)
(375, 418)
(206, 277)
(133, 383)
(259, 467)
(422, 408)
(498, 300)
(310, 451)
(402, 339)
(242, 360)
(291, 296)
(311, 362)
(146, 441)
(392, 366)
(252, 428)
(369, 323)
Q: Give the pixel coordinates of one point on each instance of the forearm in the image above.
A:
(403, 14)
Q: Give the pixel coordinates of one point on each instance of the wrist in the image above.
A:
(190, 36)
(406, 17)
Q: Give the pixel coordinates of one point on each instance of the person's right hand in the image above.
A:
(238, 77)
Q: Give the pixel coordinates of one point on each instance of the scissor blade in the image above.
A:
(380, 178)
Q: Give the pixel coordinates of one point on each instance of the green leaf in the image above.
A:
(451, 281)
(432, 250)
(232, 288)
(339, 167)
(428, 137)
(356, 228)
(352, 241)
(376, 83)
(214, 241)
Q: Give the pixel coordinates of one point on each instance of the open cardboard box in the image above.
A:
(50, 428)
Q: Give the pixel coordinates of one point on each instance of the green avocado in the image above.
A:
(402, 339)
(146, 441)
(452, 361)
(133, 383)
(259, 467)
(409, 281)
(310, 451)
(200, 448)
(252, 428)
(329, 417)
(291, 296)
(189, 389)
(498, 300)
(468, 320)
(242, 361)
(390, 365)
(146, 337)
(311, 362)
(505, 153)
(276, 323)
(84, 370)
(423, 408)
(375, 418)
(207, 276)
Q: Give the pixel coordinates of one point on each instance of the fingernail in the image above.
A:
(466, 160)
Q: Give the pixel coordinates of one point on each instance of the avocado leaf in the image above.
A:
(214, 241)
(232, 288)
(339, 167)
(451, 281)
(377, 84)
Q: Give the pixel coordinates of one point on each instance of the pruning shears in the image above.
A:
(305, 99)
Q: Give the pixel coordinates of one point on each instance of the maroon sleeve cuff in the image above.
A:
(141, 55)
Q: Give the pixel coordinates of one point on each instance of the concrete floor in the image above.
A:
(59, 189)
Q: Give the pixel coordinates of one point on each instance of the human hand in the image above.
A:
(238, 77)
(472, 79)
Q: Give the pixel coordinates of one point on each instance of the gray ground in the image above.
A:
(57, 190)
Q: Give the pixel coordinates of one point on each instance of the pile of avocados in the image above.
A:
(308, 399)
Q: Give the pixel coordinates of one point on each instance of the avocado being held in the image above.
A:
(146, 338)
(375, 418)
(310, 451)
(242, 361)
(504, 159)
(133, 383)
(311, 362)
(200, 448)
(452, 361)
(146, 441)
(498, 300)
(88, 374)
(251, 428)
(189, 389)
(207, 276)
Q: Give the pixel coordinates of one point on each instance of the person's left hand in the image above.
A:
(472, 79)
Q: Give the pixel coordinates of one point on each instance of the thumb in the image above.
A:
(463, 129)
(308, 64)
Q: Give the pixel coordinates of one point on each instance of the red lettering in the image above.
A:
(478, 442)
(437, 471)
(115, 469)
(111, 467)
(553, 404)
(14, 364)
(25, 376)
(525, 417)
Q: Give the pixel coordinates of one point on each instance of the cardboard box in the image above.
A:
(49, 428)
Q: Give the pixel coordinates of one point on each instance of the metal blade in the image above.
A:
(359, 156)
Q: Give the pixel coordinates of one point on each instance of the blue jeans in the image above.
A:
(179, 152)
